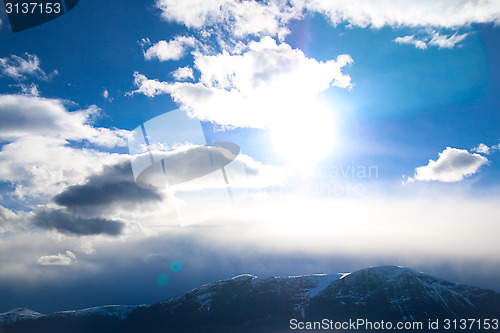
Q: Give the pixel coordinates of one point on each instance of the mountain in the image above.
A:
(14, 315)
(96, 320)
(249, 304)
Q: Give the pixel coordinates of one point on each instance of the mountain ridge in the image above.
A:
(246, 303)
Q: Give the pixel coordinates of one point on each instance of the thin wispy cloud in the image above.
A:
(410, 39)
(433, 38)
(61, 259)
(22, 67)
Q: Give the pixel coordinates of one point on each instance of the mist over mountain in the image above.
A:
(247, 303)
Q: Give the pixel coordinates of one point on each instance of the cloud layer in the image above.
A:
(407, 13)
(271, 18)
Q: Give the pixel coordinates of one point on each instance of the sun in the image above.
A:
(304, 137)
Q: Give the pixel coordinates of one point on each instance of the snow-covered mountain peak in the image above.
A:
(14, 315)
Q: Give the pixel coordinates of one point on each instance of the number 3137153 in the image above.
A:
(33, 8)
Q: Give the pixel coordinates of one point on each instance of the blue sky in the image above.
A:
(369, 135)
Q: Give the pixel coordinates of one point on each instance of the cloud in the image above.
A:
(69, 224)
(106, 96)
(241, 18)
(446, 41)
(483, 149)
(410, 39)
(27, 89)
(20, 68)
(149, 87)
(183, 74)
(22, 116)
(186, 164)
(40, 156)
(112, 188)
(9, 221)
(452, 166)
(62, 259)
(448, 14)
(432, 38)
(171, 50)
(42, 166)
(271, 18)
(259, 87)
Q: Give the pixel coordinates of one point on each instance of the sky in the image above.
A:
(357, 133)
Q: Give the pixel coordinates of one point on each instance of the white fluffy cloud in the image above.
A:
(30, 115)
(171, 50)
(246, 17)
(61, 259)
(255, 88)
(183, 74)
(452, 166)
(149, 87)
(20, 68)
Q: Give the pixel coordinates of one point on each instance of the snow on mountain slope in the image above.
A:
(117, 311)
(18, 314)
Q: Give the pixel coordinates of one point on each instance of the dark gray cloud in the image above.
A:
(54, 219)
(113, 187)
(185, 165)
